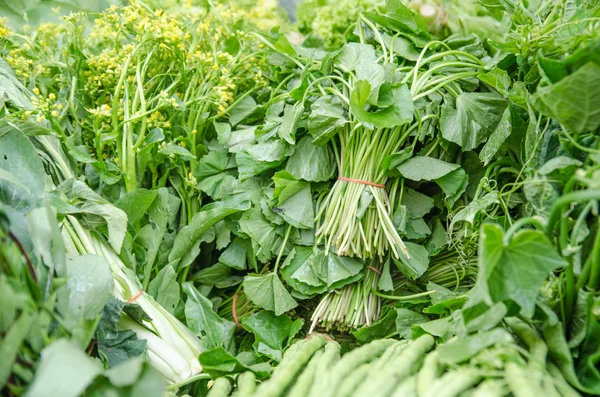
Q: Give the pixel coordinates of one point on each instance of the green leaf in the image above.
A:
(165, 289)
(398, 113)
(472, 119)
(558, 163)
(242, 110)
(354, 54)
(311, 163)
(463, 349)
(115, 344)
(264, 238)
(91, 206)
(272, 331)
(320, 271)
(574, 101)
(204, 322)
(497, 138)
(136, 204)
(64, 370)
(417, 264)
(417, 204)
(189, 235)
(218, 362)
(18, 158)
(405, 319)
(290, 122)
(385, 282)
(420, 168)
(46, 238)
(267, 292)
(235, 254)
(516, 270)
(327, 116)
(90, 285)
(380, 329)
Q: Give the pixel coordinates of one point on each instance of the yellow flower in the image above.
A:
(54, 113)
(52, 96)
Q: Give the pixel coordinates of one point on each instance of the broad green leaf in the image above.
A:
(464, 348)
(405, 319)
(264, 238)
(475, 207)
(311, 163)
(242, 110)
(417, 204)
(235, 254)
(212, 274)
(516, 270)
(219, 362)
(18, 158)
(382, 328)
(320, 271)
(398, 113)
(417, 264)
(558, 163)
(385, 282)
(174, 150)
(472, 119)
(290, 122)
(497, 138)
(212, 163)
(64, 370)
(136, 204)
(272, 331)
(46, 237)
(91, 206)
(189, 235)
(327, 116)
(204, 322)
(90, 285)
(574, 101)
(375, 75)
(420, 168)
(268, 292)
(165, 289)
(354, 54)
(115, 344)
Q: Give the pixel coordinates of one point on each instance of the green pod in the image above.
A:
(246, 384)
(491, 388)
(384, 379)
(406, 388)
(453, 383)
(220, 388)
(305, 381)
(286, 372)
(429, 372)
(331, 355)
(352, 381)
(352, 360)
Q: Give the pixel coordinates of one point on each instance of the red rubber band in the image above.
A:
(234, 310)
(374, 270)
(136, 296)
(379, 185)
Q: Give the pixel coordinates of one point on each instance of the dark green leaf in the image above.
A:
(267, 292)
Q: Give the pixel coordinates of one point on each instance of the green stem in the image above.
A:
(402, 298)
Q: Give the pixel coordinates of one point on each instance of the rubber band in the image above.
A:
(234, 310)
(136, 296)
(379, 185)
(371, 268)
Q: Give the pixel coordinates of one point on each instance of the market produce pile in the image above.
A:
(384, 198)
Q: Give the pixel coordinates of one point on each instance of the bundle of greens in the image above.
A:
(410, 176)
